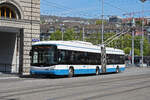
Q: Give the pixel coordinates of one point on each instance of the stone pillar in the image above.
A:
(31, 30)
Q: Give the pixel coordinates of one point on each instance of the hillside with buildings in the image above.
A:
(114, 24)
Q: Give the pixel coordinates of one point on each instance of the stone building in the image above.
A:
(19, 24)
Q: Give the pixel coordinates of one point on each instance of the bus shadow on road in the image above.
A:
(61, 77)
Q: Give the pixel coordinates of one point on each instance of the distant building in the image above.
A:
(115, 19)
(137, 20)
(48, 29)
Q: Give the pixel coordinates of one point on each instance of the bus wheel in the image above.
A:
(117, 69)
(97, 71)
(71, 72)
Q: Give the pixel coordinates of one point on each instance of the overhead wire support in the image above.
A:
(135, 13)
(104, 44)
(103, 49)
(142, 40)
(61, 7)
(102, 21)
(116, 7)
(56, 5)
(108, 41)
(133, 32)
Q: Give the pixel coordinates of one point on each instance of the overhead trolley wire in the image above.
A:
(67, 9)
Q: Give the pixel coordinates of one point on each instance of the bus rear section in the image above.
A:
(115, 63)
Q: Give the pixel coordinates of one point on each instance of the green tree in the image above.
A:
(91, 38)
(99, 22)
(127, 42)
(146, 48)
(99, 40)
(79, 36)
(69, 35)
(137, 42)
(94, 38)
(56, 35)
(138, 22)
(123, 42)
(127, 50)
(136, 52)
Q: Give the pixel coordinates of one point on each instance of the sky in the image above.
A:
(93, 8)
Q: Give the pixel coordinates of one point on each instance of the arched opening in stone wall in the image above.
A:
(9, 49)
(9, 11)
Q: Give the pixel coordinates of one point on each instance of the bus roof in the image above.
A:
(79, 46)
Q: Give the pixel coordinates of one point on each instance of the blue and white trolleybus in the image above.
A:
(73, 58)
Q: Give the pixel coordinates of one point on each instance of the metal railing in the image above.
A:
(6, 68)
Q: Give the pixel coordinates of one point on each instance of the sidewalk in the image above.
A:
(137, 69)
(8, 75)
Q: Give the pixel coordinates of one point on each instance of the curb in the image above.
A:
(4, 78)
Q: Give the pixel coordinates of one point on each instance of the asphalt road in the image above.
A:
(133, 84)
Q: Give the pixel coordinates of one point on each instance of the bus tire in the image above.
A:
(71, 72)
(97, 71)
(117, 69)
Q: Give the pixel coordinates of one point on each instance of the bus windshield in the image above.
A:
(42, 56)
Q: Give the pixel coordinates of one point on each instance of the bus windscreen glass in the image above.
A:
(43, 56)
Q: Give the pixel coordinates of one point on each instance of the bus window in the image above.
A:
(61, 56)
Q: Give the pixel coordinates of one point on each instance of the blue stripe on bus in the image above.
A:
(52, 72)
(63, 71)
(122, 69)
(114, 69)
(77, 71)
(85, 71)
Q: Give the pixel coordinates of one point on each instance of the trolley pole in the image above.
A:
(62, 31)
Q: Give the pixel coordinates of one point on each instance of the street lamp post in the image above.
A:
(83, 32)
(62, 30)
(142, 40)
(133, 32)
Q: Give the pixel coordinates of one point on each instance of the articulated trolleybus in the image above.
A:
(73, 58)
